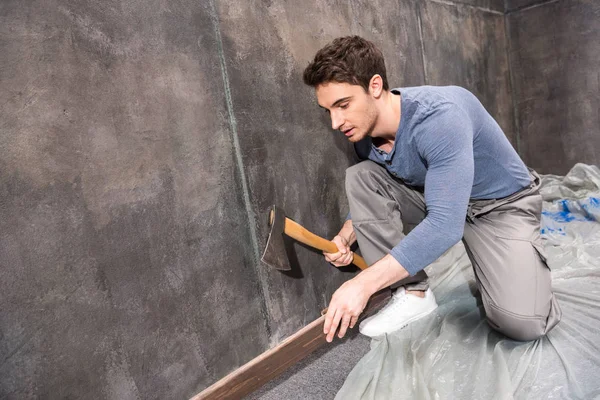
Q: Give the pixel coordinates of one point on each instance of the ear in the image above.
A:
(376, 86)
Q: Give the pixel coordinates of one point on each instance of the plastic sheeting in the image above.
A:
(454, 354)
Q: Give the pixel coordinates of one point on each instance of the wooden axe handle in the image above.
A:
(301, 234)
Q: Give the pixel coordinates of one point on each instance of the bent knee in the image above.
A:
(517, 327)
(353, 171)
(358, 174)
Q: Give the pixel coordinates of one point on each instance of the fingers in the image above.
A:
(344, 326)
(339, 259)
(346, 304)
(345, 259)
(328, 319)
(343, 256)
(334, 325)
(335, 318)
(331, 257)
(341, 245)
(353, 321)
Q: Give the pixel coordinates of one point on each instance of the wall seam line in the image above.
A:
(530, 6)
(455, 4)
(240, 162)
(425, 78)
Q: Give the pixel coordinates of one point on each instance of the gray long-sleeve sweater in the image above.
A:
(448, 145)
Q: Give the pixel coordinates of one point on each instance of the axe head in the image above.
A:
(275, 254)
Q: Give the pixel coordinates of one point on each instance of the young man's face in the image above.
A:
(352, 110)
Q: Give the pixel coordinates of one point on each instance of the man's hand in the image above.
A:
(346, 305)
(344, 256)
(351, 298)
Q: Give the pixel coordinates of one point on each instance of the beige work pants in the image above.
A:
(502, 238)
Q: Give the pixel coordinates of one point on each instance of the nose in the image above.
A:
(336, 121)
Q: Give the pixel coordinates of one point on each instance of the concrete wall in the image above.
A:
(555, 59)
(141, 144)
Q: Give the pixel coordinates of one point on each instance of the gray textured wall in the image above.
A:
(141, 144)
(555, 63)
(127, 269)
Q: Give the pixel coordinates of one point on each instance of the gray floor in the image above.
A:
(319, 376)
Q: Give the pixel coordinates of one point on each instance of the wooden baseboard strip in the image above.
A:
(277, 360)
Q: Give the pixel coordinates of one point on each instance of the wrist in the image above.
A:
(383, 273)
(367, 281)
(347, 233)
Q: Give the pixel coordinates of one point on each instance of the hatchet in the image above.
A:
(275, 254)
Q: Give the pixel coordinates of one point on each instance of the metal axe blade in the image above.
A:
(275, 254)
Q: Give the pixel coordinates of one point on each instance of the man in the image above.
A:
(437, 169)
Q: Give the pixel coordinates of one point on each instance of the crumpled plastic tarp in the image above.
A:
(454, 354)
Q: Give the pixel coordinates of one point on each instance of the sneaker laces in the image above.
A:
(398, 301)
(395, 302)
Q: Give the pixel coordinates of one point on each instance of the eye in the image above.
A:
(344, 106)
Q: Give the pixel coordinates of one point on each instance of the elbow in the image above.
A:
(449, 230)
(455, 235)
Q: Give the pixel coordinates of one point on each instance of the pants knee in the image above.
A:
(356, 174)
(517, 327)
(353, 172)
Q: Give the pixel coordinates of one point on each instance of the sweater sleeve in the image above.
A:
(445, 142)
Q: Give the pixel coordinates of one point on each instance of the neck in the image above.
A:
(389, 117)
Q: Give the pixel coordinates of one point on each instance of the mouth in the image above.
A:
(349, 132)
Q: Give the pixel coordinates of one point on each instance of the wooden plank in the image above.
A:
(277, 360)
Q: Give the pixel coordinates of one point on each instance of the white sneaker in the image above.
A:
(401, 310)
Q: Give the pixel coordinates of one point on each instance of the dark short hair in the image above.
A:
(349, 59)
